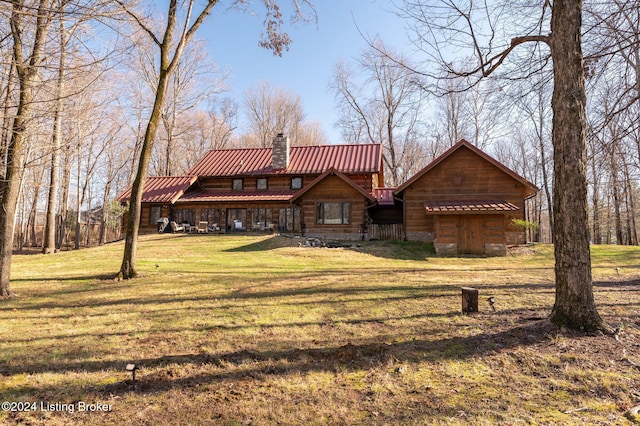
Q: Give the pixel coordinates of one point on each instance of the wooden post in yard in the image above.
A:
(469, 300)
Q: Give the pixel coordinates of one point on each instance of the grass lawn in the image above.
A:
(256, 330)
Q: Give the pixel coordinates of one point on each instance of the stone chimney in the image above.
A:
(280, 153)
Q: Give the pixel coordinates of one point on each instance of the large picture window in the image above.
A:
(333, 213)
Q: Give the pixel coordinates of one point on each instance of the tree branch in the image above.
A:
(499, 58)
(139, 22)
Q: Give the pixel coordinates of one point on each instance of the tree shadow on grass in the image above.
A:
(164, 373)
(272, 243)
(348, 357)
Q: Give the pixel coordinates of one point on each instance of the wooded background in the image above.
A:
(91, 89)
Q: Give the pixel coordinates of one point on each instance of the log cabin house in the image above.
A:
(324, 191)
(463, 202)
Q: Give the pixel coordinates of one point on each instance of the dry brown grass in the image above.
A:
(255, 330)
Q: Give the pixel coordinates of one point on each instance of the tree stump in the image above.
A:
(469, 300)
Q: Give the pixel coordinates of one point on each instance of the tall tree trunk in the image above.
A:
(33, 213)
(63, 213)
(49, 241)
(597, 231)
(79, 201)
(632, 231)
(128, 269)
(9, 187)
(167, 67)
(613, 170)
(7, 114)
(574, 305)
(106, 212)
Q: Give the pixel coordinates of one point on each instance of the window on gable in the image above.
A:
(333, 213)
(237, 184)
(262, 184)
(296, 182)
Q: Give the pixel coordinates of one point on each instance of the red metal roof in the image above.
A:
(463, 206)
(161, 189)
(351, 159)
(384, 196)
(235, 196)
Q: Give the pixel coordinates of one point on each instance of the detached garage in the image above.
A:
(464, 203)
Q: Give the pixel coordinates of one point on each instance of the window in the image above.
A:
(211, 216)
(237, 184)
(333, 213)
(296, 183)
(262, 219)
(154, 215)
(262, 184)
(289, 220)
(185, 216)
(236, 219)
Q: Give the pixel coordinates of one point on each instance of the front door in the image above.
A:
(471, 236)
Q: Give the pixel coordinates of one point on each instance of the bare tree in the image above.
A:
(613, 71)
(311, 133)
(28, 54)
(486, 34)
(271, 110)
(170, 53)
(383, 107)
(206, 130)
(195, 82)
(49, 242)
(179, 18)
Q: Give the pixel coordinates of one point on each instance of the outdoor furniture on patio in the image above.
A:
(163, 222)
(175, 227)
(202, 227)
(213, 227)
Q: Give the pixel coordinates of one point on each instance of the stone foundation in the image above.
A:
(336, 236)
(425, 237)
(514, 238)
(495, 249)
(446, 249)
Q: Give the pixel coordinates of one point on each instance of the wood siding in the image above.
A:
(463, 175)
(386, 232)
(281, 182)
(273, 183)
(334, 189)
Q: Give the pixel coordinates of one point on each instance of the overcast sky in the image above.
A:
(306, 69)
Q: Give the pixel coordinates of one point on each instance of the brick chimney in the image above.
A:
(280, 153)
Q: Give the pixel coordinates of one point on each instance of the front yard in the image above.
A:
(257, 330)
